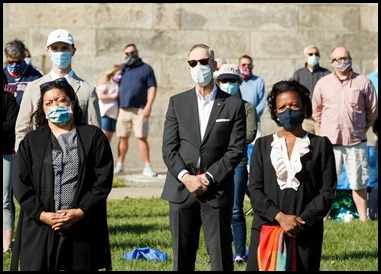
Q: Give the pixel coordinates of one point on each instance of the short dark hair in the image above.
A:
(15, 49)
(284, 86)
(131, 45)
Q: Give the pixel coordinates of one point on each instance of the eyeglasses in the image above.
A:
(193, 63)
(247, 65)
(224, 81)
(61, 80)
(130, 53)
(314, 53)
(340, 59)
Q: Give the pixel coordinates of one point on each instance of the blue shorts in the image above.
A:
(108, 123)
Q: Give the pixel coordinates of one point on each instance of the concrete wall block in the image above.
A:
(167, 16)
(369, 18)
(323, 17)
(239, 16)
(226, 42)
(124, 15)
(274, 34)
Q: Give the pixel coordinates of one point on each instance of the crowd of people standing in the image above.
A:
(60, 166)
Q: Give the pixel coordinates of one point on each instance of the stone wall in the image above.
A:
(273, 34)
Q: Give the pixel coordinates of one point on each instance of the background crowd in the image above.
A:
(122, 102)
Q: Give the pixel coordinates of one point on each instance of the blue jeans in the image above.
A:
(8, 207)
(238, 218)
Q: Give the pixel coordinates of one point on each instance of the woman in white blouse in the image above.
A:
(292, 183)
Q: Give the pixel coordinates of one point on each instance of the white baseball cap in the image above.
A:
(60, 35)
(229, 71)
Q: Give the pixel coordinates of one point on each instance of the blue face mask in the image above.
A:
(17, 69)
(291, 119)
(230, 88)
(59, 114)
(61, 59)
(313, 60)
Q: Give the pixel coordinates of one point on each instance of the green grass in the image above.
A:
(143, 222)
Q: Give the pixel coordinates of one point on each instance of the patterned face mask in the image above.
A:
(344, 65)
(17, 69)
(59, 114)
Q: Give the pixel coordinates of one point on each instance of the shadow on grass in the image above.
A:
(352, 255)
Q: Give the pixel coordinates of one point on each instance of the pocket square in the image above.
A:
(222, 120)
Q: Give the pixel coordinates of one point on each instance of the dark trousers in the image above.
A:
(186, 220)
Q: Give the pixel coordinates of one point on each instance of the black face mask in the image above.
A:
(131, 60)
(291, 119)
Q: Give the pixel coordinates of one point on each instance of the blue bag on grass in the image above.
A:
(145, 253)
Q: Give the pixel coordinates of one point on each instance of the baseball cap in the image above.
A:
(228, 71)
(60, 35)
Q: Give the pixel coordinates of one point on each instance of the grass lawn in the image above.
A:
(144, 222)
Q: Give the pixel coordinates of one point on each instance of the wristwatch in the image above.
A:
(210, 178)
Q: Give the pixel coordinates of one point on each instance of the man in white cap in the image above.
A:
(61, 49)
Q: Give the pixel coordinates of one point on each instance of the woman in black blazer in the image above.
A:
(63, 174)
(292, 184)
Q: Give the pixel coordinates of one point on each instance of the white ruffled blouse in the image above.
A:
(286, 168)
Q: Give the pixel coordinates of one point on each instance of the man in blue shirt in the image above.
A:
(137, 91)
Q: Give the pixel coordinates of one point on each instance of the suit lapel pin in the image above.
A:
(218, 104)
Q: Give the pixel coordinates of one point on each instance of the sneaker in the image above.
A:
(238, 259)
(148, 171)
(119, 169)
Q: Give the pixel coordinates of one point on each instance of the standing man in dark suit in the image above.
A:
(203, 141)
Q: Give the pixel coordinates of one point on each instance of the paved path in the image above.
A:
(138, 186)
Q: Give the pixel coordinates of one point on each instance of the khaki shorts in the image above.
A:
(131, 118)
(355, 159)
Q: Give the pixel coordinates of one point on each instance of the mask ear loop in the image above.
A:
(70, 108)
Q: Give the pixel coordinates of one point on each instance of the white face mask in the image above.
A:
(230, 88)
(313, 60)
(28, 60)
(202, 75)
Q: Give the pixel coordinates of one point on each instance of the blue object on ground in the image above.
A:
(145, 253)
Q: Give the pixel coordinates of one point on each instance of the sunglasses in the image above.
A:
(247, 65)
(193, 63)
(18, 62)
(314, 53)
(224, 81)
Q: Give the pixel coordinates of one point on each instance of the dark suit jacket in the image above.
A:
(221, 149)
(34, 188)
(318, 182)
